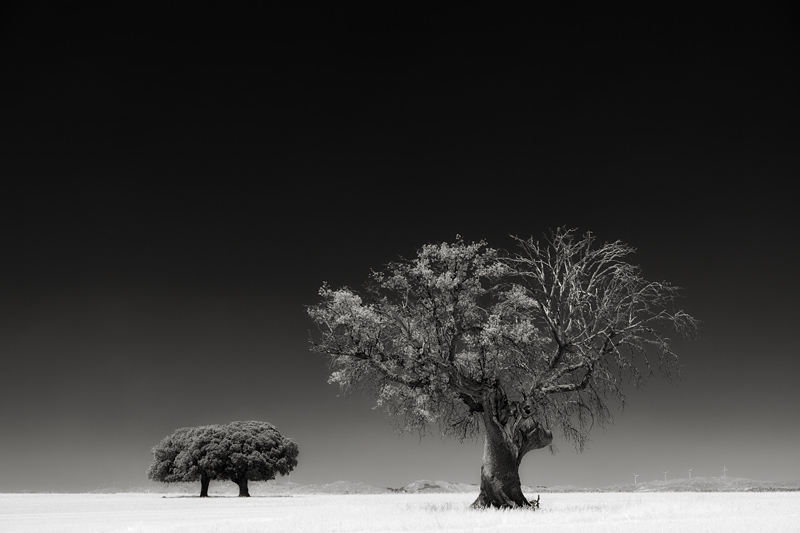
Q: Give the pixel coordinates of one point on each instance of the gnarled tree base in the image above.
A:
(501, 493)
(484, 501)
(506, 441)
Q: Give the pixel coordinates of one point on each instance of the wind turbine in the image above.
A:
(665, 475)
(690, 473)
(634, 478)
(724, 471)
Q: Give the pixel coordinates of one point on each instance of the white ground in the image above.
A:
(580, 512)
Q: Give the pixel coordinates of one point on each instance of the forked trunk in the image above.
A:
(204, 482)
(243, 492)
(509, 433)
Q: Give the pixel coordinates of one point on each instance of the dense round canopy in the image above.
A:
(238, 451)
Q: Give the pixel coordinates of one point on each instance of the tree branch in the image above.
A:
(570, 387)
(474, 407)
(383, 370)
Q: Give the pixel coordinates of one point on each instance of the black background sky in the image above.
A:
(178, 180)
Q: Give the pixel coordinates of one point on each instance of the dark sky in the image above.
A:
(179, 180)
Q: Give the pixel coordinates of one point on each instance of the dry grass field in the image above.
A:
(573, 512)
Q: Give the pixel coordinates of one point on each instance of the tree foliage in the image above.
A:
(549, 333)
(238, 451)
(165, 455)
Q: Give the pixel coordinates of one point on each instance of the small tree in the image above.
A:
(509, 346)
(239, 452)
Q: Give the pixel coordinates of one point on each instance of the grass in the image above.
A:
(575, 512)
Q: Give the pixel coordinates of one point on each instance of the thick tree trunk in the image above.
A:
(243, 492)
(509, 433)
(500, 484)
(204, 482)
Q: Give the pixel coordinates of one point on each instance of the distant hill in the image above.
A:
(338, 487)
(704, 484)
(282, 488)
(426, 485)
(698, 484)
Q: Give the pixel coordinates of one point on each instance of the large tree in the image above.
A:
(508, 345)
(238, 451)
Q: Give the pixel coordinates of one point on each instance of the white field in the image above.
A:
(576, 512)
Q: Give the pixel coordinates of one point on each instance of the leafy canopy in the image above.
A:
(554, 329)
(254, 451)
